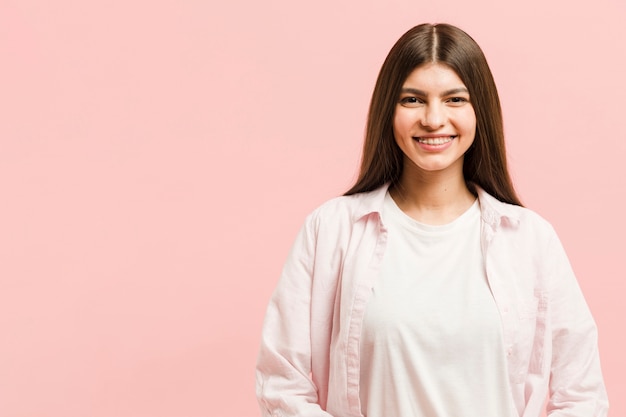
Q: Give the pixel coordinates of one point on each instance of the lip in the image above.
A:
(432, 147)
(440, 135)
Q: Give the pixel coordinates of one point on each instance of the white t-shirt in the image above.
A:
(432, 343)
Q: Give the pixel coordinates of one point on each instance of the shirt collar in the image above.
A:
(493, 211)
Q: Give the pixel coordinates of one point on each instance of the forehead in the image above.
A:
(433, 75)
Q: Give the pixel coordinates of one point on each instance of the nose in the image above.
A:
(434, 116)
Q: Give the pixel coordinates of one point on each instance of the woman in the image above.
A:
(427, 290)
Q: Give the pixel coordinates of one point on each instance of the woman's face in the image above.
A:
(434, 122)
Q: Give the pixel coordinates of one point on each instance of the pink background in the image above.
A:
(158, 157)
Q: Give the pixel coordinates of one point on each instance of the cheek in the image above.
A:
(471, 129)
(467, 124)
(401, 123)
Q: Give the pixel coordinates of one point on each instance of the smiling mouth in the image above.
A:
(435, 141)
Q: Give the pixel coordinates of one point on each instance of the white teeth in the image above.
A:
(435, 141)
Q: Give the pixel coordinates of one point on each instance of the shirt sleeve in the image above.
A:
(576, 385)
(284, 385)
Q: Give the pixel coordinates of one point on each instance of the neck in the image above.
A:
(432, 197)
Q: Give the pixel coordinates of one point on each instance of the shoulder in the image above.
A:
(328, 230)
(526, 245)
(509, 216)
(523, 234)
(530, 218)
(350, 208)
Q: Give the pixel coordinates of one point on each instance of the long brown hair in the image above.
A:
(485, 161)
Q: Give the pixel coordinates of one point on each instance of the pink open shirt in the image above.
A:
(308, 364)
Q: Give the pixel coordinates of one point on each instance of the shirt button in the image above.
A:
(509, 352)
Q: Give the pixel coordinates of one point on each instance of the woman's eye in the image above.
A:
(409, 101)
(457, 100)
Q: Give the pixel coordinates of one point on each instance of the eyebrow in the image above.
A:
(445, 93)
